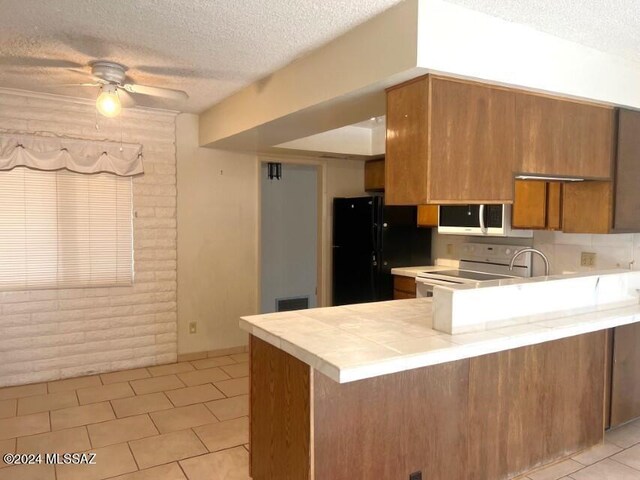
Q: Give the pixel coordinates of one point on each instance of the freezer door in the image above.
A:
(353, 222)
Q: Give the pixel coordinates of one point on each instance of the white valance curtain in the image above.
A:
(76, 155)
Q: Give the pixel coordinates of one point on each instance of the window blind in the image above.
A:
(62, 229)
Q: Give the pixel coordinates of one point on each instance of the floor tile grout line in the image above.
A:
(135, 460)
(153, 421)
(208, 452)
(609, 457)
(86, 428)
(200, 440)
(181, 468)
(622, 463)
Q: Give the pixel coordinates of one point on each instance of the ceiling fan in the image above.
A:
(115, 90)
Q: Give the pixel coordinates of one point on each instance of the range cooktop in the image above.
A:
(464, 275)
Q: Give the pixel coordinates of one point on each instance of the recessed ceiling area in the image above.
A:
(606, 25)
(362, 140)
(209, 49)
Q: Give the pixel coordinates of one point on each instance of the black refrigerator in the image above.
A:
(369, 239)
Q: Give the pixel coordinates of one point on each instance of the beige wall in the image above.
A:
(217, 241)
(218, 235)
(59, 333)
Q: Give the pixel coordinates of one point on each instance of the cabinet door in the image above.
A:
(554, 205)
(374, 175)
(472, 143)
(427, 215)
(529, 205)
(627, 204)
(406, 146)
(625, 375)
(537, 205)
(561, 137)
(587, 207)
(406, 285)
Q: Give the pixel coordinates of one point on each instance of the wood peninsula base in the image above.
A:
(484, 418)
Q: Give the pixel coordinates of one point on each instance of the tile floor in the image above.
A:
(618, 458)
(189, 421)
(184, 421)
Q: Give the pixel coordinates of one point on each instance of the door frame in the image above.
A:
(321, 230)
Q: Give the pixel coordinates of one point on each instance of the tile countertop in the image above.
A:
(355, 342)
(441, 264)
(414, 271)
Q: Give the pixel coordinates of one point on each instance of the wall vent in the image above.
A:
(294, 303)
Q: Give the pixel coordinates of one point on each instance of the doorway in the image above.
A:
(289, 213)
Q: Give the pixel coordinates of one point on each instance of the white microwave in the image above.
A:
(480, 220)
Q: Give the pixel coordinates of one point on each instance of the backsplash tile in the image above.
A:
(562, 249)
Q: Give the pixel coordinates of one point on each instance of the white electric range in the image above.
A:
(479, 262)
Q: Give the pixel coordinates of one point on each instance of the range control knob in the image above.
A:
(508, 251)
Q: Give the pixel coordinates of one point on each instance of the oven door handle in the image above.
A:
(483, 227)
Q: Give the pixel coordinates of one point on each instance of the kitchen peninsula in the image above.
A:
(374, 391)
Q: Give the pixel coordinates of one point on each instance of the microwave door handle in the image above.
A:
(483, 227)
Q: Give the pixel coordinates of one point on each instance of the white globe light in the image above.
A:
(108, 103)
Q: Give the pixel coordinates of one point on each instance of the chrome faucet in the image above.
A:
(532, 250)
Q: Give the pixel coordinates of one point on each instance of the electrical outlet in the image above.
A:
(449, 248)
(587, 259)
(416, 476)
(193, 327)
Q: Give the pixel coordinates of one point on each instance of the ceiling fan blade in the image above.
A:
(78, 85)
(38, 62)
(167, 71)
(126, 99)
(156, 91)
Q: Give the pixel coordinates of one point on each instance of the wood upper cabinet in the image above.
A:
(374, 175)
(627, 176)
(472, 143)
(563, 138)
(428, 215)
(406, 145)
(609, 206)
(537, 205)
(449, 141)
(587, 207)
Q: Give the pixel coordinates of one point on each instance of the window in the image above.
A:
(60, 229)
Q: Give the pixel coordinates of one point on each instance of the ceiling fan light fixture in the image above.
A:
(108, 102)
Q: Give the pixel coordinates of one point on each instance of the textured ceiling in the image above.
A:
(612, 26)
(209, 48)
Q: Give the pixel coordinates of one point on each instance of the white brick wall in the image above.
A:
(52, 334)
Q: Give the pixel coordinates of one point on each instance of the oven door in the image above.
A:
(424, 286)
